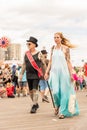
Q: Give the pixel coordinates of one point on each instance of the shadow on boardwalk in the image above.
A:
(14, 115)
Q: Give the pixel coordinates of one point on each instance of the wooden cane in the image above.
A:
(51, 95)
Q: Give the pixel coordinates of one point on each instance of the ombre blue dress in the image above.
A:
(60, 83)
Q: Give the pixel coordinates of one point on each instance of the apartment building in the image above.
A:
(12, 52)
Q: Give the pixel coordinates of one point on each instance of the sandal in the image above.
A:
(61, 117)
(56, 111)
(45, 99)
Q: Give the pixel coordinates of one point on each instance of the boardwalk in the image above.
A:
(14, 115)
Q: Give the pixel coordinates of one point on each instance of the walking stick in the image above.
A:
(51, 95)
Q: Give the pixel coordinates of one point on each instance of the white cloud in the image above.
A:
(42, 18)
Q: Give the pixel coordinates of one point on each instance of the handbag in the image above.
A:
(33, 63)
(72, 102)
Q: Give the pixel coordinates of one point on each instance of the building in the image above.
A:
(3, 53)
(12, 52)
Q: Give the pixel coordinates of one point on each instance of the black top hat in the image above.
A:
(33, 40)
(43, 51)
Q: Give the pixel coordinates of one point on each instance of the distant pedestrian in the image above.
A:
(44, 90)
(22, 85)
(85, 73)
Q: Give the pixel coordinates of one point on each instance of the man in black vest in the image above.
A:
(31, 72)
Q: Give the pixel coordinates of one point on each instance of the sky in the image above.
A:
(20, 19)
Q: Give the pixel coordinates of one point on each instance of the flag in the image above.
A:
(4, 42)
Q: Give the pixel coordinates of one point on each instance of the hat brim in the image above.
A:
(44, 52)
(33, 42)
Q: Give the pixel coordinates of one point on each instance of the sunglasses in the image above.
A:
(28, 44)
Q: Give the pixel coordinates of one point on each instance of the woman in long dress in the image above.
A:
(59, 72)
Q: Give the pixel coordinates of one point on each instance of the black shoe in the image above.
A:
(45, 99)
(33, 109)
(37, 106)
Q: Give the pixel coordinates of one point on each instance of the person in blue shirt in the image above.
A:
(22, 85)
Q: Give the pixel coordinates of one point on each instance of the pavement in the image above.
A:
(14, 115)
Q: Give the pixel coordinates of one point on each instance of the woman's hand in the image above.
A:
(46, 76)
(72, 79)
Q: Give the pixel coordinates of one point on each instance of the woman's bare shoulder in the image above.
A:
(65, 47)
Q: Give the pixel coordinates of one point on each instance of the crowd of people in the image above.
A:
(36, 70)
(10, 86)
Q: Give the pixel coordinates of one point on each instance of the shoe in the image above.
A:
(33, 109)
(45, 99)
(56, 111)
(61, 116)
(37, 106)
(24, 95)
(18, 95)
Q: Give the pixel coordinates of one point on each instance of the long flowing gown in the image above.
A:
(60, 83)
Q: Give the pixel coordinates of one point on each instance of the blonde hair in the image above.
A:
(65, 41)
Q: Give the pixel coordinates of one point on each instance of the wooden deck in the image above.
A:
(14, 115)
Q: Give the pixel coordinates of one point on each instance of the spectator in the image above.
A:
(43, 83)
(10, 90)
